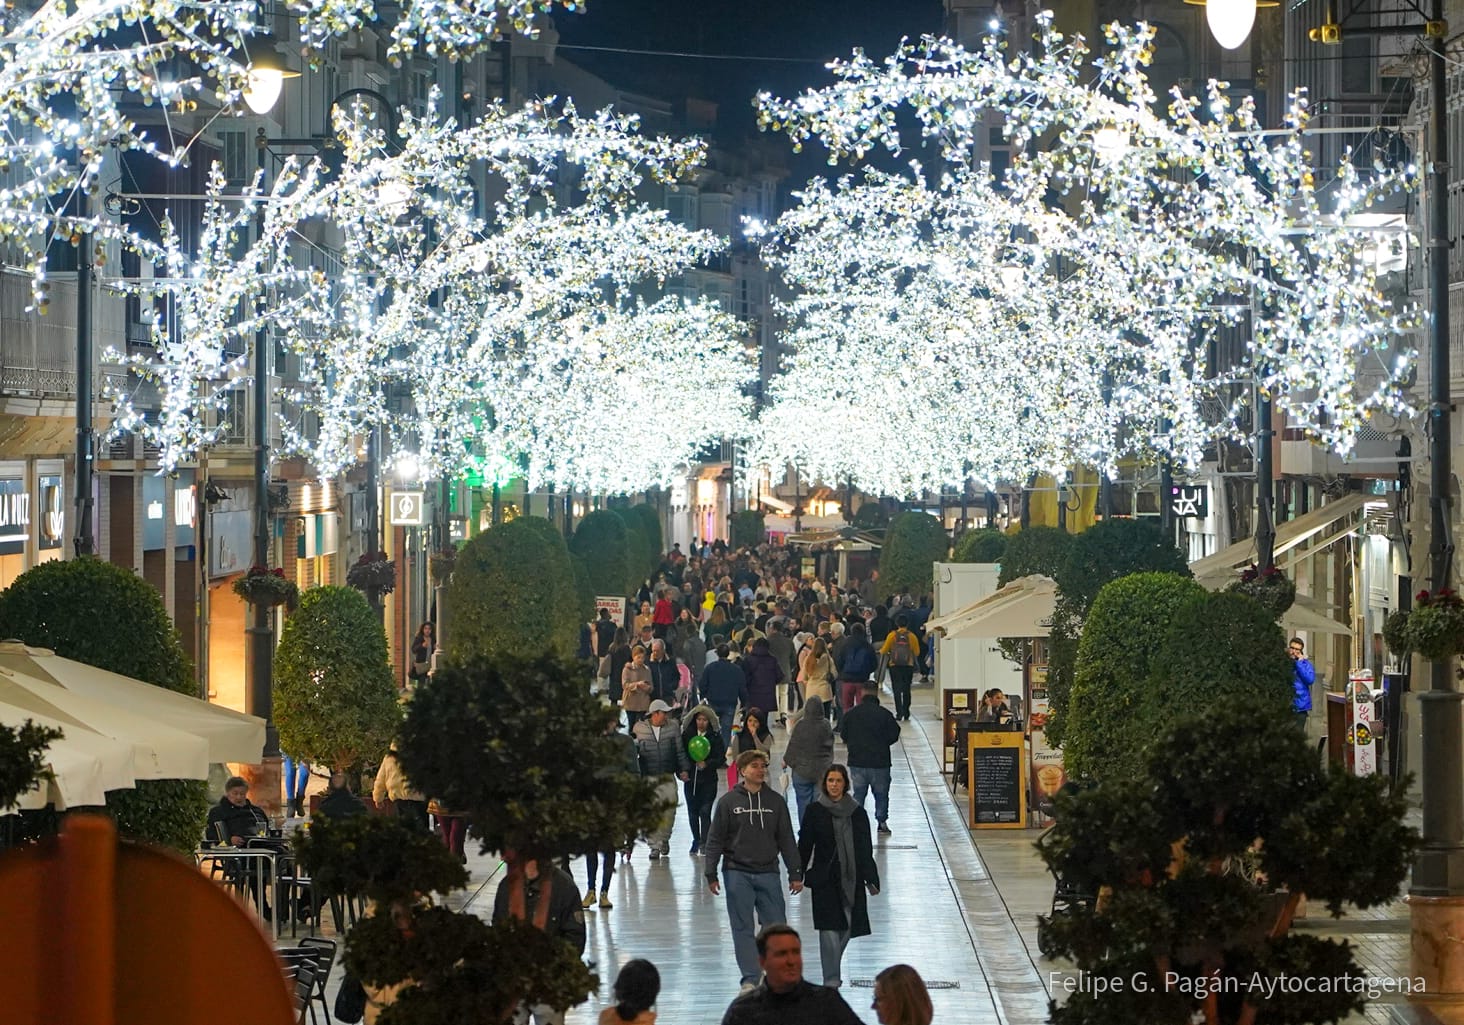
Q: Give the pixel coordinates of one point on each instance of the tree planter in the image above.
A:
(264, 586)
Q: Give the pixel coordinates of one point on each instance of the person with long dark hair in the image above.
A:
(636, 989)
(900, 997)
(753, 735)
(838, 860)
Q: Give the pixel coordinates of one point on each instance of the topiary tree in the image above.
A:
(747, 529)
(537, 777)
(1103, 553)
(1202, 860)
(1034, 550)
(584, 590)
(985, 545)
(648, 518)
(334, 699)
(914, 543)
(637, 549)
(512, 592)
(1116, 660)
(870, 516)
(600, 540)
(62, 605)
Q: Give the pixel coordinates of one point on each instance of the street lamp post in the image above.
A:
(85, 437)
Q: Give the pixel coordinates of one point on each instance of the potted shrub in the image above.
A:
(1270, 587)
(1201, 862)
(512, 593)
(914, 543)
(1436, 625)
(441, 562)
(265, 586)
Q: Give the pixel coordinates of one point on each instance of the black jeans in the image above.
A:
(699, 804)
(900, 679)
(413, 813)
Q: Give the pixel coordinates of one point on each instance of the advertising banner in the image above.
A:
(1362, 748)
(1048, 773)
(617, 607)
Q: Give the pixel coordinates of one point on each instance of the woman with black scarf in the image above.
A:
(838, 865)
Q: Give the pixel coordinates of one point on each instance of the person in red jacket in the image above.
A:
(663, 617)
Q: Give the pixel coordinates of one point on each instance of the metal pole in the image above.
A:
(260, 700)
(85, 441)
(1439, 868)
(1265, 486)
(1105, 485)
(200, 558)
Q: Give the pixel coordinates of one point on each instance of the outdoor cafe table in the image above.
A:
(260, 860)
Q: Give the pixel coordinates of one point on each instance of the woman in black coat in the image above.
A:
(838, 865)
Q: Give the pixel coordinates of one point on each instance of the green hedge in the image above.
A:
(1034, 550)
(748, 529)
(985, 545)
(871, 516)
(914, 543)
(1113, 549)
(1116, 660)
(334, 697)
(600, 540)
(513, 593)
(73, 607)
(650, 527)
(637, 549)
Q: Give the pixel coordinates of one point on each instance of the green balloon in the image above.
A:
(699, 747)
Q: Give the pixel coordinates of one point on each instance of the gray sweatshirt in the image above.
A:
(750, 831)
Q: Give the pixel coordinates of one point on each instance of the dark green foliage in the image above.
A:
(377, 857)
(1040, 550)
(600, 540)
(1113, 549)
(637, 549)
(748, 529)
(1270, 587)
(513, 590)
(1395, 632)
(985, 545)
(584, 591)
(64, 606)
(913, 545)
(649, 521)
(870, 516)
(1221, 648)
(334, 700)
(519, 746)
(1250, 842)
(23, 758)
(1062, 664)
(1116, 658)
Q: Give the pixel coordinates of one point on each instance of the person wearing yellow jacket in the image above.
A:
(901, 650)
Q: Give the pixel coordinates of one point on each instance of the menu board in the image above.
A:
(998, 780)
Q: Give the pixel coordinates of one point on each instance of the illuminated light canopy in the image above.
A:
(1077, 308)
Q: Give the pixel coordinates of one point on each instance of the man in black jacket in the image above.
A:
(869, 731)
(665, 678)
(566, 921)
(785, 996)
(338, 801)
(235, 818)
(723, 686)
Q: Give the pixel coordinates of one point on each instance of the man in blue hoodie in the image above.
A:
(751, 827)
(1304, 675)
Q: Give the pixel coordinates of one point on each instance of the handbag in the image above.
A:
(350, 1001)
(419, 669)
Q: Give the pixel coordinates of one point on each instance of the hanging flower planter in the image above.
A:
(441, 563)
(265, 586)
(1270, 587)
(1436, 625)
(374, 574)
(1395, 632)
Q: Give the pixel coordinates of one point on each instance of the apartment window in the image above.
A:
(239, 163)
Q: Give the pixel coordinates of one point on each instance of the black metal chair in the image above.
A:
(1067, 899)
(302, 973)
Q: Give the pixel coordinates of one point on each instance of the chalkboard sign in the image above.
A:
(998, 780)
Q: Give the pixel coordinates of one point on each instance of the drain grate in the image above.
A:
(898, 847)
(929, 984)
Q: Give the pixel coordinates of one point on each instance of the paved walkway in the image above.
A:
(959, 905)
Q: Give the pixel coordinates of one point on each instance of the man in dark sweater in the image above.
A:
(566, 921)
(785, 996)
(751, 827)
(870, 731)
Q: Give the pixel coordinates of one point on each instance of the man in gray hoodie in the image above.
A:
(751, 827)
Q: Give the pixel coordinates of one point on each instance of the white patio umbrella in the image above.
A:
(1023, 608)
(232, 736)
(83, 764)
(159, 750)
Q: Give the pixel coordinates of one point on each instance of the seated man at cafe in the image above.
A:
(338, 801)
(235, 818)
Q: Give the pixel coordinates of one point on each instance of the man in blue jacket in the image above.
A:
(1303, 677)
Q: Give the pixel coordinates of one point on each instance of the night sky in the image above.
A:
(815, 30)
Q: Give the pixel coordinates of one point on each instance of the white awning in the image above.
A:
(1223, 568)
(1306, 615)
(1023, 608)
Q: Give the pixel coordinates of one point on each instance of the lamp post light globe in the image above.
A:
(1230, 21)
(267, 74)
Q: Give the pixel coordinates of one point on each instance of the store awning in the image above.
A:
(1306, 615)
(774, 502)
(1222, 568)
(83, 764)
(1023, 608)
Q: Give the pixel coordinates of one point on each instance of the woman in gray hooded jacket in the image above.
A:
(810, 752)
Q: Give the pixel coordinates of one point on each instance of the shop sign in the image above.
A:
(408, 508)
(15, 516)
(53, 512)
(156, 505)
(1190, 500)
